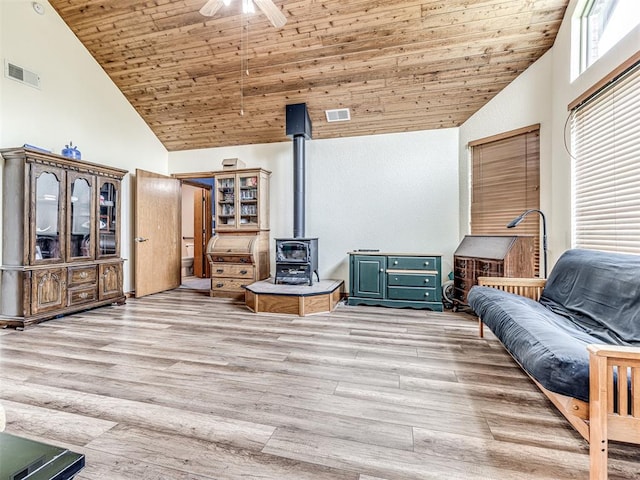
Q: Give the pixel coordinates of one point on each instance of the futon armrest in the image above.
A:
(615, 351)
(614, 404)
(526, 287)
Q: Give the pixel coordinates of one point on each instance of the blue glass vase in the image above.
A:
(71, 152)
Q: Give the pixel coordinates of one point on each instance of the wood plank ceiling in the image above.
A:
(398, 65)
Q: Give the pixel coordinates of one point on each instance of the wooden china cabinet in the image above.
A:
(242, 200)
(238, 253)
(61, 236)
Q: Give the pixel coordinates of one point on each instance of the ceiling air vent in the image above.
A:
(338, 115)
(21, 75)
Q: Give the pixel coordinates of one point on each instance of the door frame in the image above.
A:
(201, 237)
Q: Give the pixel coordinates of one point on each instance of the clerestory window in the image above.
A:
(603, 23)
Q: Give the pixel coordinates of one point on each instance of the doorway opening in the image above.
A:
(196, 230)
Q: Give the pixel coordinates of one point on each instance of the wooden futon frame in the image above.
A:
(609, 414)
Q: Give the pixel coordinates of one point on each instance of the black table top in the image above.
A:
(23, 459)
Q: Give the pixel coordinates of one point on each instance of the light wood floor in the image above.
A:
(181, 386)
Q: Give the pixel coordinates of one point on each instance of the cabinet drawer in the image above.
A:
(487, 268)
(412, 280)
(216, 258)
(412, 263)
(82, 295)
(413, 293)
(228, 284)
(232, 270)
(82, 275)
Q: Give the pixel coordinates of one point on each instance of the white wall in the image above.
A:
(77, 102)
(404, 192)
(522, 103)
(564, 92)
(541, 95)
(396, 192)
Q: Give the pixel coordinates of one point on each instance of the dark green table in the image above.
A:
(25, 459)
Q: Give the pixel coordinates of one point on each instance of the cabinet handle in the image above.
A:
(243, 272)
(220, 270)
(83, 274)
(426, 264)
(426, 294)
(219, 285)
(140, 239)
(84, 295)
(382, 269)
(426, 280)
(395, 262)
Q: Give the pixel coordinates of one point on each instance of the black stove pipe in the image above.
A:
(298, 186)
(299, 128)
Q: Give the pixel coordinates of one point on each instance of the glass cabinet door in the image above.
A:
(47, 216)
(80, 243)
(248, 201)
(108, 230)
(226, 202)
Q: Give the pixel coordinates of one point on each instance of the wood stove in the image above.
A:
(296, 261)
(297, 257)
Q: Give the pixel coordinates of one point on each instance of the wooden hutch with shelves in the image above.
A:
(238, 253)
(61, 236)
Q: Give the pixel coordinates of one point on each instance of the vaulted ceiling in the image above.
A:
(398, 65)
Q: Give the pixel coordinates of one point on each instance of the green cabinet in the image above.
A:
(367, 276)
(395, 280)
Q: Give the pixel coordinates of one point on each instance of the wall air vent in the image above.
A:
(338, 115)
(19, 74)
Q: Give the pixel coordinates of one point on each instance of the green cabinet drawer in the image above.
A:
(412, 263)
(413, 293)
(412, 280)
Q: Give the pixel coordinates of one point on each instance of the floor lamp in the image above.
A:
(519, 218)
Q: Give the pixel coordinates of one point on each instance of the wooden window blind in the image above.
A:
(605, 134)
(505, 183)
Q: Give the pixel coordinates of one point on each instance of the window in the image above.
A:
(505, 183)
(605, 144)
(602, 24)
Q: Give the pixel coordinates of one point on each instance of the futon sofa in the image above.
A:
(579, 341)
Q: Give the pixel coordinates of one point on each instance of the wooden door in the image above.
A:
(157, 233)
(201, 231)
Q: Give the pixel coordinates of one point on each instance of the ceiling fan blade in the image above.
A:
(211, 7)
(272, 12)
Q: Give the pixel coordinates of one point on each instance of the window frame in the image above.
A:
(599, 219)
(584, 37)
(490, 211)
